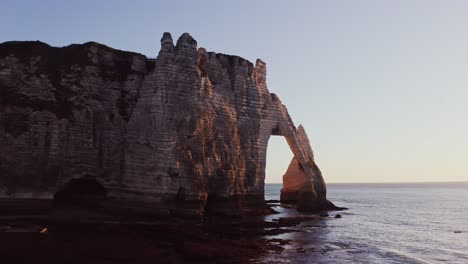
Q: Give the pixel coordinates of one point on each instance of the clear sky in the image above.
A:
(380, 86)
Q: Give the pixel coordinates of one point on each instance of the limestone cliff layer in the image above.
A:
(184, 133)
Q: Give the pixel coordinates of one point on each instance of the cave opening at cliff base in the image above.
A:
(85, 191)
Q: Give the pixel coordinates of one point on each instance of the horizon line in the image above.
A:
(383, 182)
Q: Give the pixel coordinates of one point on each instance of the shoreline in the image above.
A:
(80, 235)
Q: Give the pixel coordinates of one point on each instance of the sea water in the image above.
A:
(385, 223)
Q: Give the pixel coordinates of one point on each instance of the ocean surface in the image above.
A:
(385, 223)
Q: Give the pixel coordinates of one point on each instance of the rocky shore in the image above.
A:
(80, 235)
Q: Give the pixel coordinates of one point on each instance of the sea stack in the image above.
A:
(183, 134)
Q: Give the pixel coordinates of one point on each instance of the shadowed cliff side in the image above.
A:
(184, 134)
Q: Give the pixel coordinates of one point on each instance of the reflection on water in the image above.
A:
(386, 223)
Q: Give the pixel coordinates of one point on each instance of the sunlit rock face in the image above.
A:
(303, 181)
(184, 134)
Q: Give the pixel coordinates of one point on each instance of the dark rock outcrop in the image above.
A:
(184, 133)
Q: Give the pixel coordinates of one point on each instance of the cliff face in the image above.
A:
(185, 133)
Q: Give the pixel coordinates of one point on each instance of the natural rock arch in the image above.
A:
(303, 183)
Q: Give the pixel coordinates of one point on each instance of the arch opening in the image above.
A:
(278, 158)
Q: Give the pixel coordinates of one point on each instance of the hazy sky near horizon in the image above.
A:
(380, 86)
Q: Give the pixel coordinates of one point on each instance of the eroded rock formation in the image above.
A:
(184, 133)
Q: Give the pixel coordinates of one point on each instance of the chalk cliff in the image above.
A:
(185, 133)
